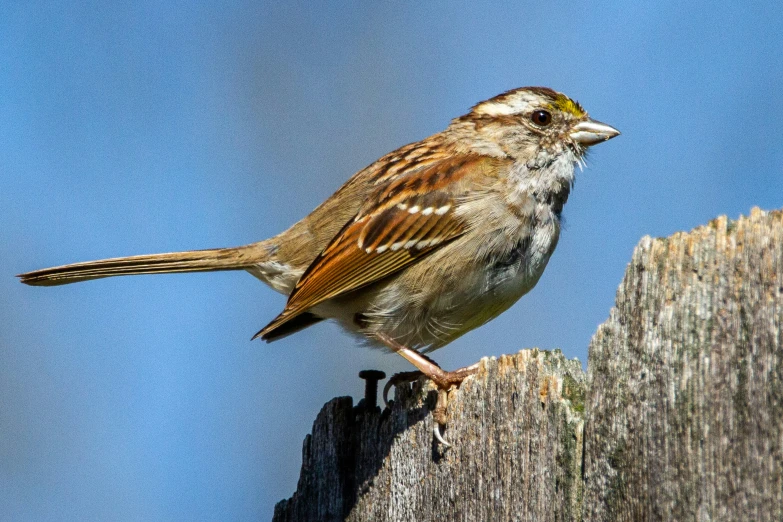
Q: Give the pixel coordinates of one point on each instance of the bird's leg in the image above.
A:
(443, 380)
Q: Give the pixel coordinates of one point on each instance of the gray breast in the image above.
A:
(505, 267)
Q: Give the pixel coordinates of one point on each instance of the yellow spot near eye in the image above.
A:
(565, 104)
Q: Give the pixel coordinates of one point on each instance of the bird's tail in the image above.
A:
(238, 258)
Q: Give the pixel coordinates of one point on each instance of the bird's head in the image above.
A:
(534, 124)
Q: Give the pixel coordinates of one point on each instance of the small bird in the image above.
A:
(423, 245)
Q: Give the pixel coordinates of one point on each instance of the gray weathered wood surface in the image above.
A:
(685, 380)
(680, 416)
(367, 465)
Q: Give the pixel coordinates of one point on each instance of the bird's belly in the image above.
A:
(434, 308)
(501, 283)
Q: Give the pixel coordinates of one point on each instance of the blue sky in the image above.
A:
(164, 126)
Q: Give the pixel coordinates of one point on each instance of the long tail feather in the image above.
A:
(194, 261)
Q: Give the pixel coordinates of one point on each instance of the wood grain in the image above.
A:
(517, 452)
(685, 386)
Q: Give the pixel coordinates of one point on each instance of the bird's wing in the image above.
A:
(406, 218)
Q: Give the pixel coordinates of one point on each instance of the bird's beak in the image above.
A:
(590, 132)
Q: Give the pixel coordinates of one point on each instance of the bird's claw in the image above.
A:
(396, 379)
(440, 417)
(436, 431)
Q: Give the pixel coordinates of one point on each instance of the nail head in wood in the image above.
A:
(371, 378)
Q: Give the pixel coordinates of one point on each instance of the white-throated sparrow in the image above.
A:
(427, 243)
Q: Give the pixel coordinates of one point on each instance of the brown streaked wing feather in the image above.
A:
(404, 220)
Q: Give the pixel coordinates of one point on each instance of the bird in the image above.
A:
(427, 243)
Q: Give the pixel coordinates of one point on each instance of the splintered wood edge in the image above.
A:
(557, 382)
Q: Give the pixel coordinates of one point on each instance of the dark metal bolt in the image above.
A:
(371, 378)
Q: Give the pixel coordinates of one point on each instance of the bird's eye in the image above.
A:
(541, 118)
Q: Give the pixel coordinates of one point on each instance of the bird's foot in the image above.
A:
(442, 379)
